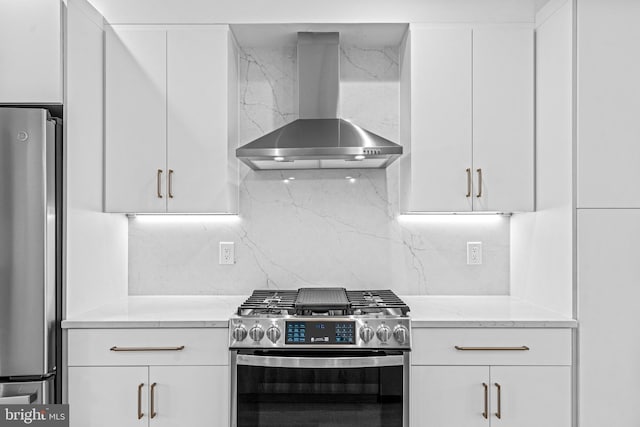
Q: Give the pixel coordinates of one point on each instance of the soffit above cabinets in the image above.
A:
(280, 35)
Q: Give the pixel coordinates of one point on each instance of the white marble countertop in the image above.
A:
(214, 312)
(481, 312)
(197, 311)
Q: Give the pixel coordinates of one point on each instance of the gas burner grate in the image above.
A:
(323, 302)
(377, 301)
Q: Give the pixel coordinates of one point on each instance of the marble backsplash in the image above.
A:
(321, 228)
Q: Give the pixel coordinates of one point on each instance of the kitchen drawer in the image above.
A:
(438, 346)
(93, 347)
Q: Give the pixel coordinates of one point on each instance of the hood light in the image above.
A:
(279, 159)
(359, 157)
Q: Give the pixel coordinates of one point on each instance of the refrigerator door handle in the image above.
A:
(23, 399)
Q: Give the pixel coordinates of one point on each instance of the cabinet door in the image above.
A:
(449, 396)
(608, 61)
(194, 396)
(608, 283)
(440, 119)
(197, 91)
(135, 98)
(531, 396)
(503, 149)
(31, 52)
(107, 396)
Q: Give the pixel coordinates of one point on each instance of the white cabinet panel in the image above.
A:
(135, 161)
(531, 396)
(441, 118)
(503, 119)
(437, 346)
(197, 119)
(194, 396)
(608, 104)
(449, 396)
(608, 278)
(107, 396)
(201, 346)
(31, 51)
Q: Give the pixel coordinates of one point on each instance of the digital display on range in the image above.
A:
(315, 332)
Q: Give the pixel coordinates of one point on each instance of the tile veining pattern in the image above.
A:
(319, 228)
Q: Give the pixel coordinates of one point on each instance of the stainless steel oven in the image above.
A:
(275, 388)
(320, 357)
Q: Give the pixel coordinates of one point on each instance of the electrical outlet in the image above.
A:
(474, 253)
(227, 253)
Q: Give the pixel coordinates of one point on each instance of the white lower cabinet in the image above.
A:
(168, 396)
(445, 396)
(148, 377)
(479, 377)
(470, 396)
(106, 396)
(194, 396)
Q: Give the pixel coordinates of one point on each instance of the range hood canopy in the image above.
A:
(318, 139)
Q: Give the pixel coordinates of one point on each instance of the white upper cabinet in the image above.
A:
(441, 114)
(136, 137)
(608, 110)
(171, 120)
(31, 52)
(467, 119)
(503, 147)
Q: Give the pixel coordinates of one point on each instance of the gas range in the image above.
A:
(331, 318)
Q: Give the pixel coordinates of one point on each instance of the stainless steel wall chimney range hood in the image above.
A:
(318, 139)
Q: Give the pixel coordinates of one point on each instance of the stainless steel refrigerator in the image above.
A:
(30, 144)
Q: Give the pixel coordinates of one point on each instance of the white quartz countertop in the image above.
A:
(214, 312)
(481, 312)
(198, 311)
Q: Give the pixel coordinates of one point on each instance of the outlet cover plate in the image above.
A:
(474, 253)
(227, 253)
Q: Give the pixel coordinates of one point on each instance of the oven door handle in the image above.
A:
(319, 362)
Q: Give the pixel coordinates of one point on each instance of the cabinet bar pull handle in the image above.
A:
(521, 348)
(153, 400)
(468, 182)
(171, 183)
(479, 182)
(116, 348)
(485, 414)
(159, 183)
(499, 413)
(140, 413)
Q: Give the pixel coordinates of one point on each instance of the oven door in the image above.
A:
(319, 388)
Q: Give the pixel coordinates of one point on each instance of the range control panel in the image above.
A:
(311, 332)
(314, 332)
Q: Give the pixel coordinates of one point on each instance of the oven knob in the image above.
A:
(239, 333)
(401, 334)
(383, 333)
(366, 334)
(256, 333)
(273, 333)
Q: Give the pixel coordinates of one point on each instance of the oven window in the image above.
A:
(336, 397)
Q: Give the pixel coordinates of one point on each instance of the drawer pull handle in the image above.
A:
(485, 414)
(521, 348)
(116, 348)
(140, 413)
(469, 182)
(499, 413)
(153, 400)
(479, 183)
